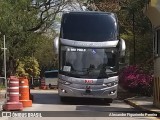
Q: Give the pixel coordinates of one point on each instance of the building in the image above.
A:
(152, 11)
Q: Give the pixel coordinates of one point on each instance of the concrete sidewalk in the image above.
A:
(143, 103)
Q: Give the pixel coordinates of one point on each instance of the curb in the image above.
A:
(31, 97)
(133, 104)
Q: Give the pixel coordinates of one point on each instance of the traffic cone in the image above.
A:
(43, 86)
(24, 92)
(12, 102)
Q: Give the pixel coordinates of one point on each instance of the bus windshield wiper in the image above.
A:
(78, 72)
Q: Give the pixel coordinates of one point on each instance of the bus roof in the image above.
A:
(89, 26)
(89, 12)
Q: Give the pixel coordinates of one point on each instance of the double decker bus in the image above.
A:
(89, 49)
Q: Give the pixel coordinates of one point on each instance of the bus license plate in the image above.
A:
(88, 95)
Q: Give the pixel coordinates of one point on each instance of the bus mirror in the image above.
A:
(55, 44)
(122, 48)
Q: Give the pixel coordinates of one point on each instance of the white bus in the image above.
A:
(51, 78)
(89, 50)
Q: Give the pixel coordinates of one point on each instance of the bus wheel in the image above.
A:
(108, 100)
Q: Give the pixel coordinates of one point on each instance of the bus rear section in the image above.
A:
(51, 78)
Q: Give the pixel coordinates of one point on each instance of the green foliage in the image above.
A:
(28, 26)
(45, 54)
(106, 5)
(15, 20)
(2, 87)
(28, 66)
(131, 17)
(20, 69)
(25, 24)
(129, 12)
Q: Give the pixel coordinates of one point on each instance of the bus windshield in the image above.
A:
(51, 74)
(89, 27)
(87, 63)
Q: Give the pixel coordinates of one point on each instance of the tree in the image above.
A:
(20, 69)
(135, 27)
(45, 54)
(107, 5)
(135, 22)
(24, 22)
(28, 66)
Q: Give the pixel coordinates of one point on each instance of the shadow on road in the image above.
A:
(53, 98)
(105, 108)
(45, 98)
(80, 104)
(85, 101)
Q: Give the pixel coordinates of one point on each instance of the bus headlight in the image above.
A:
(110, 84)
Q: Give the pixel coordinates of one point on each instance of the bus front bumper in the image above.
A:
(67, 91)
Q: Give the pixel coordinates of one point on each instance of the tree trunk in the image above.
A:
(11, 66)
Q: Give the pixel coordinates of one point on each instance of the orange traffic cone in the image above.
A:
(24, 92)
(43, 86)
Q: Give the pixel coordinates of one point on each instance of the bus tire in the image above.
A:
(108, 100)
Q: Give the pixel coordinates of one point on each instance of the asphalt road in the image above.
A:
(77, 109)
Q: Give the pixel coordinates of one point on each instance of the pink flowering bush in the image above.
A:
(137, 80)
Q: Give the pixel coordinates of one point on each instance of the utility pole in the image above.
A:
(4, 45)
(134, 40)
(4, 60)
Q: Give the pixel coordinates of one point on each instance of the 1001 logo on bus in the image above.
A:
(88, 81)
